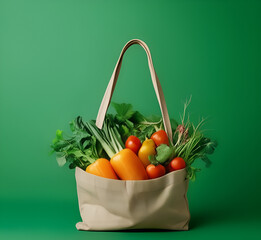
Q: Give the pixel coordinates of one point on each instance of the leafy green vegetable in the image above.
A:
(197, 147)
(108, 137)
(134, 123)
(124, 111)
(79, 150)
(163, 156)
(191, 144)
(60, 157)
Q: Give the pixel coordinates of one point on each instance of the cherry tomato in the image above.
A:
(133, 143)
(155, 171)
(176, 164)
(160, 137)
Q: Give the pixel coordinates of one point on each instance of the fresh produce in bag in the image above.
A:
(132, 171)
(131, 146)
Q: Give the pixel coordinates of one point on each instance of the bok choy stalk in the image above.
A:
(87, 143)
(109, 137)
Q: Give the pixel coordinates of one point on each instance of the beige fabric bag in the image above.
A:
(107, 204)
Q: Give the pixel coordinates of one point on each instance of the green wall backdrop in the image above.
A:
(56, 58)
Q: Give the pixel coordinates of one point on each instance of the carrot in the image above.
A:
(128, 166)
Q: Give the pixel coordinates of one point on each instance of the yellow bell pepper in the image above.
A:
(148, 147)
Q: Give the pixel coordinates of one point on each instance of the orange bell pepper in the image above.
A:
(128, 166)
(102, 167)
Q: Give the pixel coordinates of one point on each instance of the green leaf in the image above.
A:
(206, 160)
(153, 119)
(72, 126)
(153, 160)
(124, 111)
(124, 132)
(61, 160)
(129, 124)
(72, 165)
(164, 152)
(58, 136)
(145, 131)
(84, 143)
(59, 145)
(70, 158)
(209, 146)
(137, 117)
(191, 173)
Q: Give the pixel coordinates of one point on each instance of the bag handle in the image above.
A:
(156, 84)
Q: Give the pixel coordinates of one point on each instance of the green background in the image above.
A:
(56, 58)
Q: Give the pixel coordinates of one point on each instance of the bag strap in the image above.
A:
(156, 84)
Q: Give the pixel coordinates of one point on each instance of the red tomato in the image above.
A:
(176, 164)
(160, 137)
(155, 171)
(133, 143)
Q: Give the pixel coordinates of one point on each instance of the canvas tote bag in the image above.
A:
(108, 204)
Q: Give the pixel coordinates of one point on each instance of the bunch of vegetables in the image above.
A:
(131, 146)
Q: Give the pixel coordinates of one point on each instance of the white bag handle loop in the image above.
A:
(156, 84)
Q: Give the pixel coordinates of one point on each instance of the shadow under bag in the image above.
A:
(108, 204)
